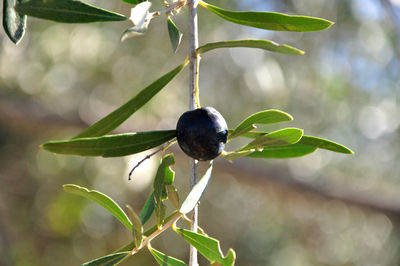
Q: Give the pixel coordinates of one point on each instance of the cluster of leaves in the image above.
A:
(93, 141)
(163, 189)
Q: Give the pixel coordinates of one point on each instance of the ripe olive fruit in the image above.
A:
(202, 133)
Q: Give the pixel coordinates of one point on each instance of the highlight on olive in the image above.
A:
(202, 133)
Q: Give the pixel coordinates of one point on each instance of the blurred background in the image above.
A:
(321, 209)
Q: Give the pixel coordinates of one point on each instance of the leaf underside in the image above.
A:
(261, 44)
(14, 24)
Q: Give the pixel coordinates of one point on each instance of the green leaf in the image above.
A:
(103, 200)
(237, 154)
(163, 259)
(197, 191)
(262, 44)
(309, 141)
(108, 260)
(117, 117)
(173, 196)
(208, 247)
(175, 35)
(14, 24)
(148, 209)
(111, 145)
(324, 144)
(262, 117)
(133, 2)
(67, 11)
(164, 176)
(276, 138)
(137, 226)
(283, 152)
(270, 20)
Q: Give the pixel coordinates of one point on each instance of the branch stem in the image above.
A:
(193, 104)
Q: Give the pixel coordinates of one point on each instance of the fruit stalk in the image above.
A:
(193, 104)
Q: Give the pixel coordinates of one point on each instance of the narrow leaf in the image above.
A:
(208, 247)
(175, 35)
(139, 13)
(270, 20)
(133, 2)
(262, 117)
(276, 138)
(117, 117)
(173, 196)
(14, 24)
(67, 11)
(308, 141)
(324, 144)
(103, 200)
(148, 209)
(237, 154)
(262, 44)
(108, 260)
(283, 152)
(164, 176)
(163, 259)
(111, 145)
(197, 191)
(137, 228)
(133, 32)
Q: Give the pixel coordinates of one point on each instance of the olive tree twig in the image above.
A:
(148, 156)
(193, 104)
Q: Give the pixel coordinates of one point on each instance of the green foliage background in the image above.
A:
(322, 209)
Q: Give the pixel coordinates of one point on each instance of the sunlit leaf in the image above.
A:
(164, 176)
(163, 259)
(133, 32)
(276, 138)
(324, 144)
(137, 226)
(175, 35)
(133, 2)
(108, 260)
(208, 247)
(140, 13)
(270, 20)
(283, 152)
(262, 117)
(111, 145)
(67, 11)
(117, 117)
(14, 24)
(309, 141)
(237, 154)
(148, 209)
(197, 191)
(261, 44)
(103, 200)
(173, 196)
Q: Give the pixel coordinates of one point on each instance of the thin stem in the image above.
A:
(156, 233)
(162, 149)
(193, 104)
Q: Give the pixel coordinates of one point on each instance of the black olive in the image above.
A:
(202, 133)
